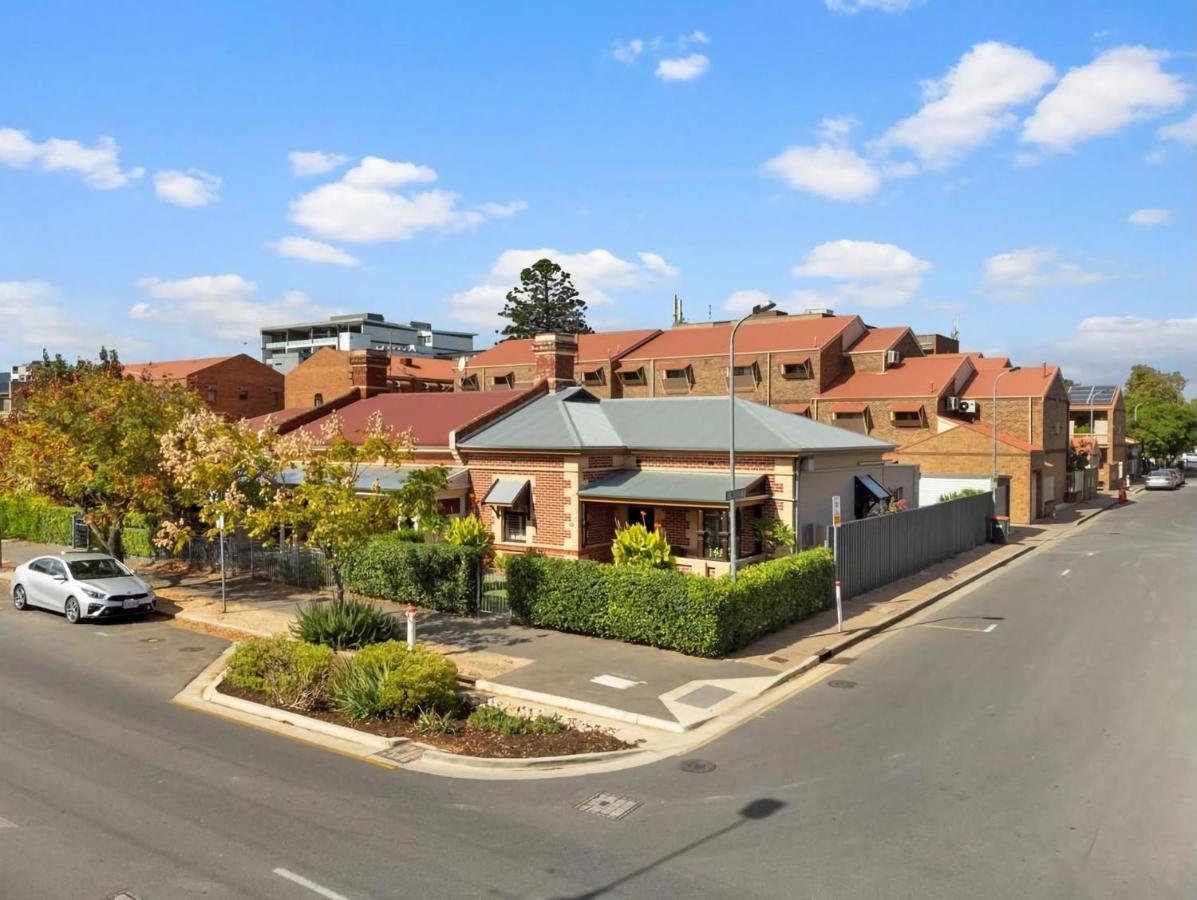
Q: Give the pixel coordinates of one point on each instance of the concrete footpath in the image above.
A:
(601, 679)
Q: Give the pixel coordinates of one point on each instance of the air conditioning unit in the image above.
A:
(893, 357)
(969, 406)
(952, 404)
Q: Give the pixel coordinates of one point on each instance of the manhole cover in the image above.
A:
(151, 640)
(609, 806)
(697, 766)
(841, 683)
(191, 649)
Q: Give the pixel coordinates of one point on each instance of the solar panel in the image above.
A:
(1096, 395)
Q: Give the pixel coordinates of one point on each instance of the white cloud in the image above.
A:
(1103, 348)
(831, 171)
(683, 68)
(694, 37)
(596, 274)
(46, 324)
(1183, 132)
(1121, 86)
(98, 166)
(865, 273)
(1155, 157)
(366, 205)
(1018, 274)
(191, 188)
(313, 251)
(970, 104)
(835, 129)
(855, 6)
(627, 51)
(742, 302)
(314, 162)
(1149, 217)
(221, 305)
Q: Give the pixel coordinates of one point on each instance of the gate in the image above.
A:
(492, 593)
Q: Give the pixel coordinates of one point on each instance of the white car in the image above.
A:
(1162, 480)
(81, 586)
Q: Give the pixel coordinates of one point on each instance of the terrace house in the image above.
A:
(1098, 411)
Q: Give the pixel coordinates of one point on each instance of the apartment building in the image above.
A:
(1098, 412)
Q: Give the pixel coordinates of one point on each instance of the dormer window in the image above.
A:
(594, 377)
(632, 376)
(503, 382)
(746, 378)
(469, 383)
(677, 378)
(795, 367)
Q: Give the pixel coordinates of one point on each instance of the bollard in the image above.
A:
(410, 612)
(839, 607)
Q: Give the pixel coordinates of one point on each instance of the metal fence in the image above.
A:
(492, 592)
(872, 552)
(242, 556)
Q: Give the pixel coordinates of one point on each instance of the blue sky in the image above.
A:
(1027, 167)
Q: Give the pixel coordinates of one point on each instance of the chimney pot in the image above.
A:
(556, 356)
(368, 370)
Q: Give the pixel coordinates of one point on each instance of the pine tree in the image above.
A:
(546, 300)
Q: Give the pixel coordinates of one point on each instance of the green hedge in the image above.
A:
(668, 609)
(435, 576)
(30, 519)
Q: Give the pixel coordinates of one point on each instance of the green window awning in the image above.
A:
(506, 492)
(671, 488)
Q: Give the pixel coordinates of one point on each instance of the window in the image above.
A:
(798, 369)
(853, 421)
(594, 378)
(317, 400)
(908, 418)
(469, 383)
(211, 395)
(746, 378)
(424, 340)
(243, 394)
(515, 526)
(503, 382)
(678, 379)
(632, 376)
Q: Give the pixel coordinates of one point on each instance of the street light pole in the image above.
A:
(993, 476)
(731, 443)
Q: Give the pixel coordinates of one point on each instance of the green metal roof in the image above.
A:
(505, 491)
(574, 419)
(681, 487)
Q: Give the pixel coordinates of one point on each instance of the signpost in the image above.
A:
(836, 520)
(224, 602)
(737, 494)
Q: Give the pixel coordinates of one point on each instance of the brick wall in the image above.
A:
(324, 373)
(239, 387)
(550, 519)
(880, 418)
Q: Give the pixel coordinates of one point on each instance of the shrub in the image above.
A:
(27, 518)
(635, 545)
(666, 608)
(963, 492)
(469, 531)
(388, 680)
(774, 533)
(344, 625)
(409, 535)
(294, 674)
(430, 722)
(436, 576)
(499, 721)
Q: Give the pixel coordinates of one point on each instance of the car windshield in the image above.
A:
(87, 569)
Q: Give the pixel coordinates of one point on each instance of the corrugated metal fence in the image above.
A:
(876, 551)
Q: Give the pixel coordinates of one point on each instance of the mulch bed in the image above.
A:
(465, 740)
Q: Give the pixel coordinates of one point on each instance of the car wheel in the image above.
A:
(19, 600)
(73, 613)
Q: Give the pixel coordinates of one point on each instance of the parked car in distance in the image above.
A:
(81, 586)
(1180, 474)
(1161, 480)
(1189, 459)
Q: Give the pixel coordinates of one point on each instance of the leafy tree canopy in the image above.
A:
(1165, 429)
(1148, 383)
(546, 300)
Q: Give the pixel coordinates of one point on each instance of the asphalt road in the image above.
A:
(1052, 755)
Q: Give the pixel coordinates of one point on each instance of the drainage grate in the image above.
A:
(402, 753)
(706, 696)
(609, 806)
(191, 649)
(697, 766)
(841, 683)
(778, 659)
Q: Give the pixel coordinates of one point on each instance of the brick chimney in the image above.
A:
(368, 370)
(556, 355)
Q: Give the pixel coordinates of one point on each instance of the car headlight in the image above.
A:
(96, 595)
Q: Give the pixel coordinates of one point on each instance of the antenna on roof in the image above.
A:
(679, 317)
(710, 315)
(955, 335)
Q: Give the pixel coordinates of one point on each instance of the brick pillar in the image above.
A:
(368, 369)
(555, 355)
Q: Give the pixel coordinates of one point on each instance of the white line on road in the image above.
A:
(959, 628)
(4, 823)
(310, 885)
(1091, 553)
(991, 627)
(1065, 572)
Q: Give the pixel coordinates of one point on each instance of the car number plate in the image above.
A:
(131, 603)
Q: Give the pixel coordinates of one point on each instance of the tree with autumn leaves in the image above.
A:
(309, 483)
(86, 435)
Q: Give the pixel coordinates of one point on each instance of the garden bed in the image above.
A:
(464, 739)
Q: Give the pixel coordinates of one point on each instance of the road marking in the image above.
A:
(960, 628)
(1091, 553)
(1065, 572)
(615, 681)
(310, 885)
(990, 628)
(4, 823)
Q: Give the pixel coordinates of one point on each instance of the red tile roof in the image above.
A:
(798, 409)
(423, 368)
(880, 339)
(906, 406)
(982, 430)
(430, 416)
(915, 376)
(598, 347)
(764, 335)
(1032, 381)
(278, 417)
(980, 360)
(171, 370)
(849, 407)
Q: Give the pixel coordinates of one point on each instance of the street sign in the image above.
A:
(836, 518)
(737, 494)
(220, 521)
